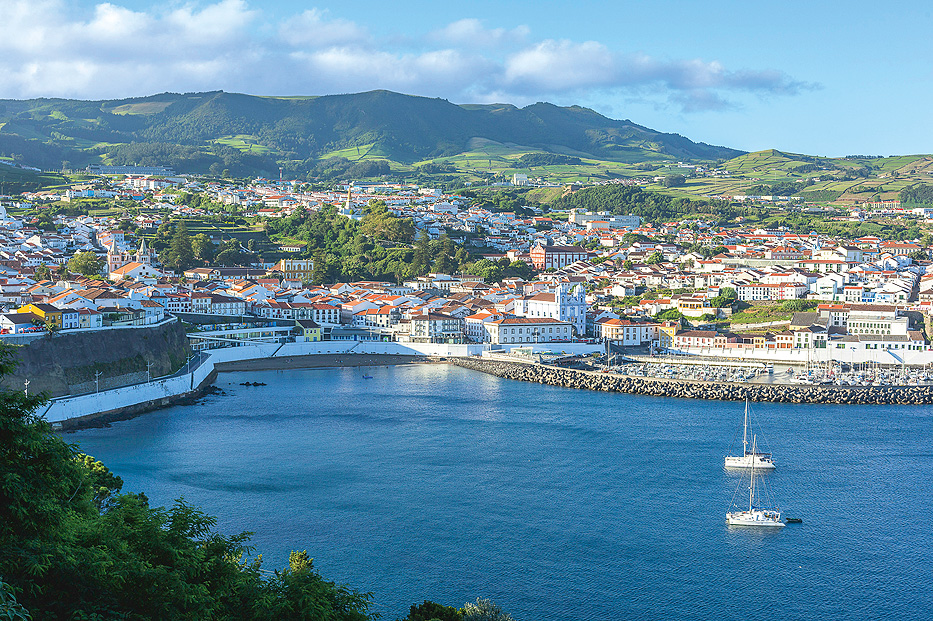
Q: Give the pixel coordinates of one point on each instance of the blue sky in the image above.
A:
(823, 78)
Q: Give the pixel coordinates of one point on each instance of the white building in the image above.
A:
(563, 303)
(528, 330)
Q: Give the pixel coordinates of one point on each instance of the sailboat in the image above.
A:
(753, 459)
(755, 515)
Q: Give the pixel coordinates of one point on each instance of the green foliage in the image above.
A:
(671, 314)
(489, 270)
(103, 483)
(484, 610)
(10, 609)
(202, 248)
(652, 206)
(342, 168)
(921, 194)
(86, 263)
(179, 255)
(73, 547)
(43, 272)
(546, 159)
(380, 224)
(796, 306)
(727, 297)
(432, 611)
(674, 181)
(820, 195)
(655, 258)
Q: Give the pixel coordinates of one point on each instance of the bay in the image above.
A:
(435, 482)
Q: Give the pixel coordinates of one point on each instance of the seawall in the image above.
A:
(695, 389)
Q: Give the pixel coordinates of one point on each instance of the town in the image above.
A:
(685, 287)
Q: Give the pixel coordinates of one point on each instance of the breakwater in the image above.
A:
(695, 389)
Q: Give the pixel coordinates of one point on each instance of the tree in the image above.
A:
(422, 258)
(489, 270)
(180, 253)
(43, 272)
(673, 181)
(86, 263)
(484, 610)
(202, 247)
(655, 258)
(319, 267)
(432, 611)
(379, 223)
(444, 263)
(627, 265)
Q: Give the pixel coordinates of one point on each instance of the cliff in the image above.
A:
(63, 364)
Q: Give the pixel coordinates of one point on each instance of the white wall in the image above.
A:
(66, 408)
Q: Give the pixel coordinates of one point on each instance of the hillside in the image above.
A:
(248, 134)
(842, 180)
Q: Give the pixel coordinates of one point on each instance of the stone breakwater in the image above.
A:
(693, 389)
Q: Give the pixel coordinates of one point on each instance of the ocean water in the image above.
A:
(435, 482)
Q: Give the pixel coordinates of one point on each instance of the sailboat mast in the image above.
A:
(745, 430)
(751, 485)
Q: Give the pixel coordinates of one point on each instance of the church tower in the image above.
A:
(143, 255)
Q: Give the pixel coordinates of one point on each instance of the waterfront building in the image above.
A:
(528, 330)
(564, 302)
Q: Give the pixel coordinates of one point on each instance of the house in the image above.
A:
(16, 323)
(625, 332)
(435, 328)
(310, 330)
(529, 330)
(89, 318)
(51, 315)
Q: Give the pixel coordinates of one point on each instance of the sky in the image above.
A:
(815, 77)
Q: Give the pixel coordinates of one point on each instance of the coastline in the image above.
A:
(318, 361)
(698, 389)
(206, 387)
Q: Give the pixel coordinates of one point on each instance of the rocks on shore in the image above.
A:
(693, 389)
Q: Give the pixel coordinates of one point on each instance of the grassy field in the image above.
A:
(244, 142)
(362, 153)
(143, 107)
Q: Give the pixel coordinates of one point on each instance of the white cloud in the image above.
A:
(471, 32)
(50, 48)
(561, 65)
(312, 29)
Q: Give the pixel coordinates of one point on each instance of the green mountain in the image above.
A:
(248, 134)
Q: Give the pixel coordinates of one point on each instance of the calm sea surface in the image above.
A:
(434, 482)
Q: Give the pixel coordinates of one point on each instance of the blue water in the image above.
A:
(434, 482)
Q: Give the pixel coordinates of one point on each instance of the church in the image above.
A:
(117, 258)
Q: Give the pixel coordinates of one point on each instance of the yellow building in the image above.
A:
(310, 330)
(46, 312)
(666, 332)
(295, 269)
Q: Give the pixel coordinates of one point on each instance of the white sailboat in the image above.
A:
(749, 459)
(755, 515)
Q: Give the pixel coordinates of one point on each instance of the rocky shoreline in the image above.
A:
(695, 389)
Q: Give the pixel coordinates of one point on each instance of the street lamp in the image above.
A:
(97, 375)
(148, 372)
(27, 387)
